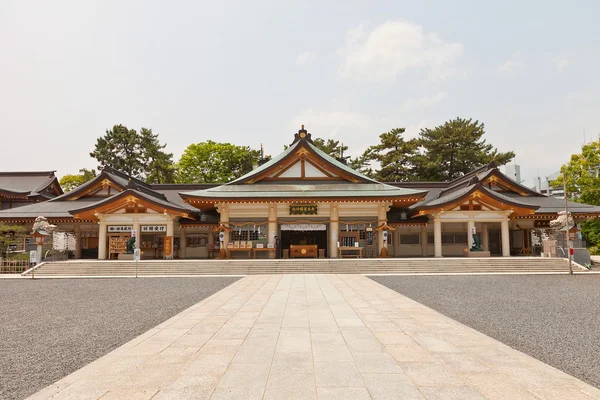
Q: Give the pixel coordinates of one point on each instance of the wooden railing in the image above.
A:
(13, 266)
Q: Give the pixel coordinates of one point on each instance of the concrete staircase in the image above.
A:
(304, 266)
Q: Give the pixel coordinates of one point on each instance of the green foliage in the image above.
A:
(11, 234)
(71, 181)
(362, 163)
(454, 149)
(591, 232)
(137, 154)
(212, 162)
(159, 167)
(395, 156)
(583, 175)
(331, 147)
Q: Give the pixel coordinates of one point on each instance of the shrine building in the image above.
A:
(301, 203)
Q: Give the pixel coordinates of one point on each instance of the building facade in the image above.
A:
(302, 203)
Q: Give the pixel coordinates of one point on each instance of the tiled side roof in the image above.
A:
(26, 182)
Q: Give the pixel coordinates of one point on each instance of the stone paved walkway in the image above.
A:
(314, 337)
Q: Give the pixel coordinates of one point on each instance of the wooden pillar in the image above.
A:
(171, 234)
(272, 230)
(211, 237)
(102, 241)
(183, 241)
(223, 210)
(424, 241)
(505, 238)
(437, 237)
(470, 226)
(381, 219)
(485, 238)
(77, 241)
(334, 230)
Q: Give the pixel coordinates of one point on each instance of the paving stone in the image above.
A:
(391, 387)
(343, 393)
(337, 374)
(368, 342)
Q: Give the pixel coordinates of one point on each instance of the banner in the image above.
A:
(303, 227)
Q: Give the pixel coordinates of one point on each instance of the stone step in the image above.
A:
(299, 266)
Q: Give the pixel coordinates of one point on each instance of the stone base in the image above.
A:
(125, 256)
(469, 253)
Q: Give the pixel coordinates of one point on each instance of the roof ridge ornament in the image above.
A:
(302, 135)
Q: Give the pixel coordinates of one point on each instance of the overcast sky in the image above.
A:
(252, 72)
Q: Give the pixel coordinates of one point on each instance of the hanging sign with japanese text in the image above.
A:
(154, 228)
(303, 209)
(119, 228)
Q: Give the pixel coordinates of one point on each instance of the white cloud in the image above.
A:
(336, 124)
(425, 101)
(394, 47)
(512, 66)
(305, 57)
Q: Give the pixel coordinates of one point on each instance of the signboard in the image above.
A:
(136, 254)
(33, 256)
(541, 223)
(473, 231)
(303, 209)
(154, 228)
(133, 233)
(119, 228)
(168, 247)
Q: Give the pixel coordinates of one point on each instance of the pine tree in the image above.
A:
(454, 149)
(139, 155)
(395, 156)
(159, 164)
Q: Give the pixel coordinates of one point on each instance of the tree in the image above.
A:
(331, 147)
(159, 167)
(454, 149)
(11, 235)
(137, 154)
(583, 174)
(362, 163)
(71, 181)
(212, 162)
(395, 156)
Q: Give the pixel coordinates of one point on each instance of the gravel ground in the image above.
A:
(554, 318)
(52, 327)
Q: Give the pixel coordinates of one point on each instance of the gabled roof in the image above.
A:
(302, 141)
(79, 199)
(109, 176)
(339, 181)
(157, 202)
(30, 184)
(474, 190)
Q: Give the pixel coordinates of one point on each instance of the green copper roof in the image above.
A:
(298, 188)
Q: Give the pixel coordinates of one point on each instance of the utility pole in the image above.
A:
(567, 223)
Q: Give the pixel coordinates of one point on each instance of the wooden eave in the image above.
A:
(124, 200)
(496, 177)
(206, 204)
(102, 182)
(14, 195)
(551, 216)
(482, 196)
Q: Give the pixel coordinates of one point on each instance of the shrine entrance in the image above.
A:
(304, 240)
